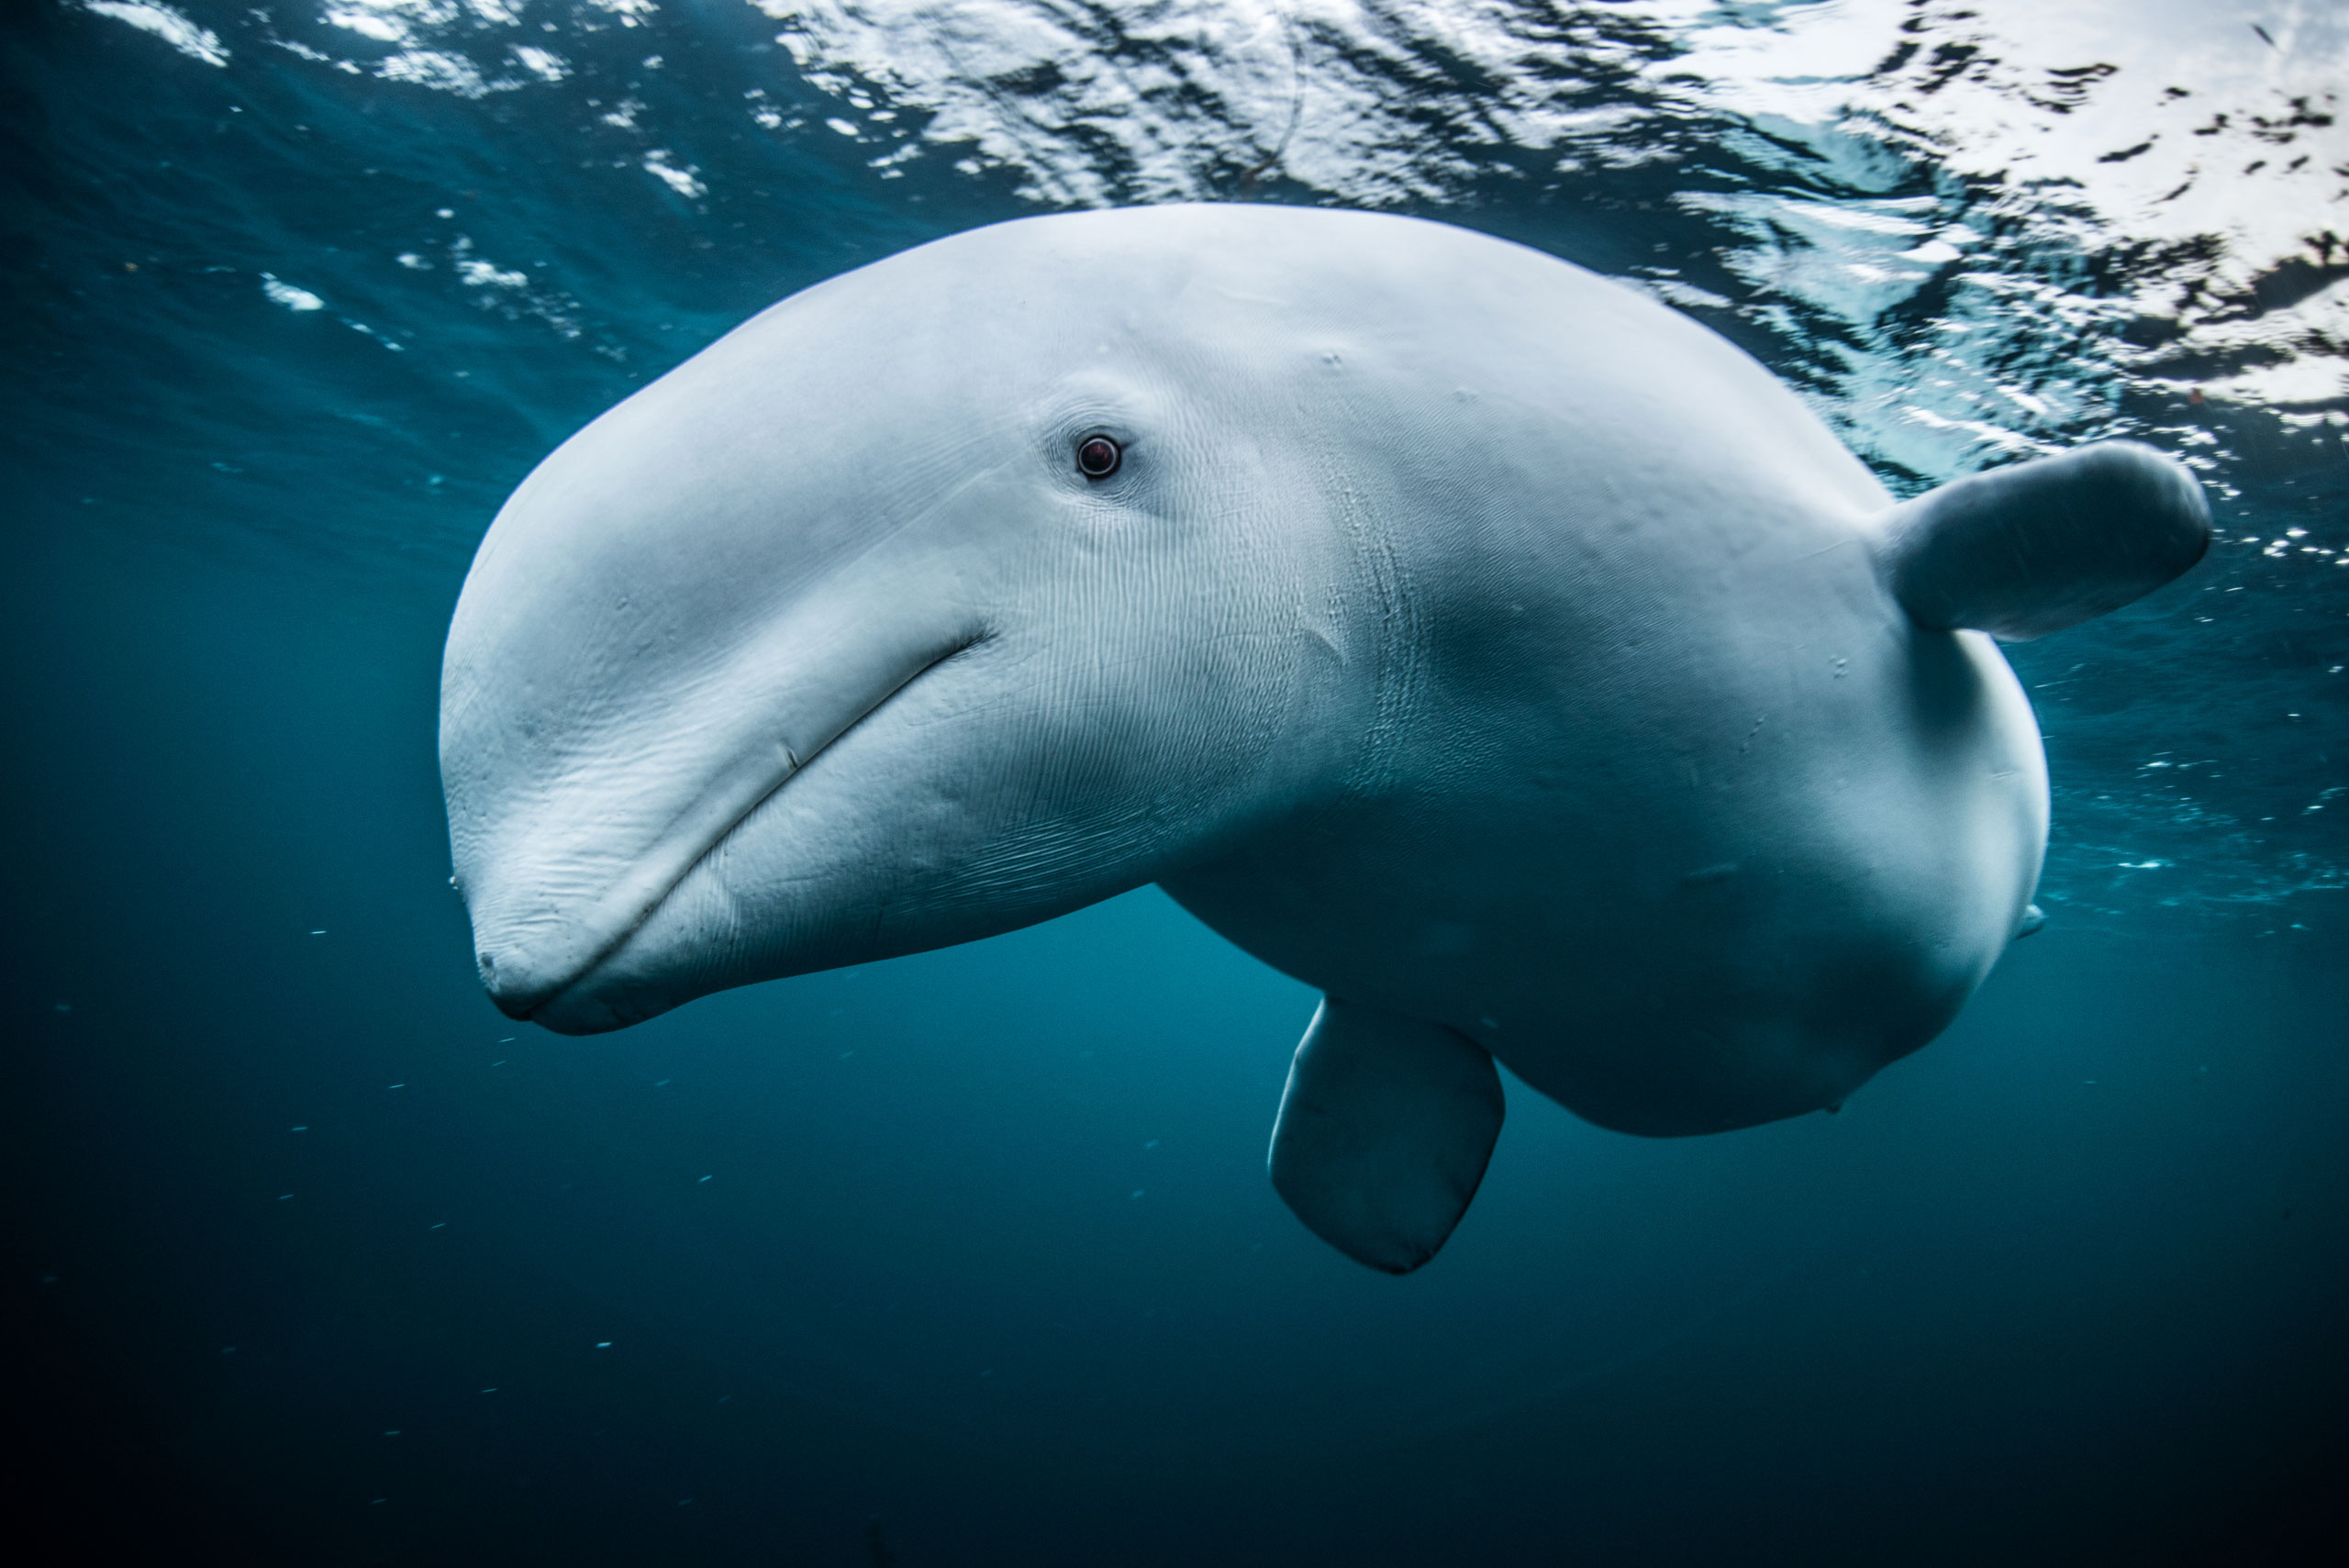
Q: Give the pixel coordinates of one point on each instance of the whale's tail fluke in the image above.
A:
(2024, 550)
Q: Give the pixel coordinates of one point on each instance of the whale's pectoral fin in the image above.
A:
(1384, 1133)
(2022, 551)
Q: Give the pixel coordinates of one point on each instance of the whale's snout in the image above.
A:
(582, 1000)
(563, 865)
(515, 997)
(514, 1005)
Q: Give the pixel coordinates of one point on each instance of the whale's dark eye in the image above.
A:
(1098, 457)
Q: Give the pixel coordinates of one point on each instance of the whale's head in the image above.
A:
(946, 596)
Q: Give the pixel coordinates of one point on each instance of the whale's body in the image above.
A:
(1468, 636)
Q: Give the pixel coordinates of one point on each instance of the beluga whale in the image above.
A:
(1475, 639)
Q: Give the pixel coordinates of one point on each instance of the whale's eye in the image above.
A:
(1098, 457)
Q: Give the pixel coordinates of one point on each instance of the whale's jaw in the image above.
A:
(543, 971)
(523, 970)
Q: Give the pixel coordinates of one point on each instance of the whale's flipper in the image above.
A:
(1383, 1132)
(2022, 551)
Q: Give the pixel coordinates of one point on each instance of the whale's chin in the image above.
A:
(631, 980)
(584, 1006)
(664, 959)
(626, 960)
(602, 997)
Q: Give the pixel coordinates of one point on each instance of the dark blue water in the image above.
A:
(312, 1257)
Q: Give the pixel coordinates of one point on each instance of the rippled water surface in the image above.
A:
(318, 1258)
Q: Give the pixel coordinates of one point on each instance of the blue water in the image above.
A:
(970, 1258)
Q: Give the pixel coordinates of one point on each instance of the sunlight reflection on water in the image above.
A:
(1967, 230)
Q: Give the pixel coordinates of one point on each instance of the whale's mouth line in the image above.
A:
(527, 1008)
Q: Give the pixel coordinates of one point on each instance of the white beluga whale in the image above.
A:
(1468, 636)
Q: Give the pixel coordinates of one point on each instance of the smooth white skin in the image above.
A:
(1464, 634)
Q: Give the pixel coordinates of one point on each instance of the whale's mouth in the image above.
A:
(528, 981)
